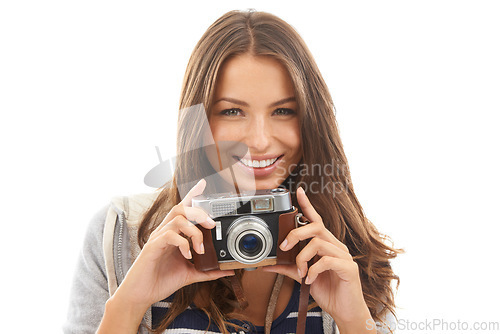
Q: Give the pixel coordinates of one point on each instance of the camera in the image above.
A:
(249, 228)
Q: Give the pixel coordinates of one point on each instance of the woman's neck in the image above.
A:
(258, 286)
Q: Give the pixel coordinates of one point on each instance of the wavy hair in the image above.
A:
(323, 159)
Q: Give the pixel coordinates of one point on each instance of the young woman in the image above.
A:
(250, 80)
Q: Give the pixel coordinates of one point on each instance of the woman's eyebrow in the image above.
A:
(243, 103)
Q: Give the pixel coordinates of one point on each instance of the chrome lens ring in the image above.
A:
(243, 227)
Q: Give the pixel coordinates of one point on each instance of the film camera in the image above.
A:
(249, 229)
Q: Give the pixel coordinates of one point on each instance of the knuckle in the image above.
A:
(184, 243)
(175, 208)
(355, 265)
(177, 221)
(317, 221)
(178, 209)
(169, 234)
(317, 228)
(196, 214)
(344, 247)
(199, 211)
(197, 234)
(316, 224)
(202, 215)
(329, 261)
(300, 258)
(315, 242)
(173, 222)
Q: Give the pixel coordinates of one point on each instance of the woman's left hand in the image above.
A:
(334, 278)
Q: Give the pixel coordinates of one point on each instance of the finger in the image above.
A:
(196, 215)
(306, 206)
(183, 225)
(316, 228)
(171, 238)
(289, 270)
(195, 191)
(321, 248)
(305, 232)
(345, 270)
(201, 276)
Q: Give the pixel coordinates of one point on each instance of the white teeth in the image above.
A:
(258, 163)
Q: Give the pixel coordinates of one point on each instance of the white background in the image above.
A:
(89, 88)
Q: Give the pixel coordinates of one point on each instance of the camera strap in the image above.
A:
(300, 220)
(303, 303)
(271, 307)
(238, 292)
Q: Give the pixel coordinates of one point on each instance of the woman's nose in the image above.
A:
(258, 135)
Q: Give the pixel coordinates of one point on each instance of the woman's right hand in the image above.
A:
(162, 266)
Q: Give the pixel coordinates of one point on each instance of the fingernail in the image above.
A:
(308, 280)
(211, 221)
(283, 244)
(202, 248)
(301, 190)
(190, 256)
(300, 273)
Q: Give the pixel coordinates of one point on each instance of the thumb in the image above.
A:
(289, 270)
(202, 276)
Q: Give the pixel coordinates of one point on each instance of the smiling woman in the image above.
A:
(255, 105)
(252, 81)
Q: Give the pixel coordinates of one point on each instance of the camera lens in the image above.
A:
(249, 240)
(250, 244)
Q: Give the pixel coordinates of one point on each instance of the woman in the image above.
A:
(260, 87)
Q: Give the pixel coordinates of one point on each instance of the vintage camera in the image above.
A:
(249, 229)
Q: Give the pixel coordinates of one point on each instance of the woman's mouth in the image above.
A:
(258, 163)
(262, 167)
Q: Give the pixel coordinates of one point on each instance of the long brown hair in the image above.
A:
(323, 171)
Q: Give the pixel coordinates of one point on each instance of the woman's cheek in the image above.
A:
(227, 133)
(292, 137)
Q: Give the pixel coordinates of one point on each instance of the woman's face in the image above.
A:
(254, 104)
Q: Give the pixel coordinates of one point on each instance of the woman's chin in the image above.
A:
(243, 182)
(256, 184)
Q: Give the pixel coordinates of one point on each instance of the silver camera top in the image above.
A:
(247, 202)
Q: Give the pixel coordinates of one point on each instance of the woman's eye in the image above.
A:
(284, 111)
(238, 112)
(230, 112)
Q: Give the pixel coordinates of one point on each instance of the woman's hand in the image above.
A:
(162, 267)
(334, 278)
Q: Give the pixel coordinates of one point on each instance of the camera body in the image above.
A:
(249, 229)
